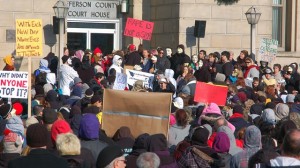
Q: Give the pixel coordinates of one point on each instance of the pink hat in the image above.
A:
(213, 108)
(172, 119)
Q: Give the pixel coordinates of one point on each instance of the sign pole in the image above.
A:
(29, 87)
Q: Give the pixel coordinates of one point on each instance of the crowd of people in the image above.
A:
(258, 126)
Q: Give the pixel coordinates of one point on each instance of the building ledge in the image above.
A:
(288, 54)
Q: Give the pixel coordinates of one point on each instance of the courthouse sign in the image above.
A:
(92, 9)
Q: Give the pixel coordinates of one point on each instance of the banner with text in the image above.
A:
(138, 28)
(142, 112)
(120, 81)
(210, 93)
(13, 84)
(133, 76)
(29, 37)
(268, 50)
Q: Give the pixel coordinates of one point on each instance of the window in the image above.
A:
(277, 13)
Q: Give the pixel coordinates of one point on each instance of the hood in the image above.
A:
(233, 149)
(89, 127)
(252, 137)
(123, 132)
(15, 124)
(44, 63)
(50, 78)
(115, 59)
(157, 142)
(169, 73)
(268, 116)
(281, 111)
(79, 54)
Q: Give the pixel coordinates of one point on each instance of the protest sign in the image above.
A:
(29, 37)
(210, 93)
(142, 112)
(133, 76)
(268, 50)
(138, 28)
(120, 81)
(13, 84)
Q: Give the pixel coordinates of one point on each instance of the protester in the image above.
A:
(9, 61)
(67, 75)
(111, 157)
(148, 160)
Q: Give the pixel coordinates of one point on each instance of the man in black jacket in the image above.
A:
(133, 57)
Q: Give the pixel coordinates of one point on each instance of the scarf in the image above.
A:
(248, 70)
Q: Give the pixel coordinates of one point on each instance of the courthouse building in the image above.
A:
(92, 23)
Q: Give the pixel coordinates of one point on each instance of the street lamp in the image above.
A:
(61, 11)
(253, 16)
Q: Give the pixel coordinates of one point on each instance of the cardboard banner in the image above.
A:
(210, 93)
(133, 76)
(13, 84)
(142, 112)
(29, 37)
(120, 81)
(268, 50)
(138, 28)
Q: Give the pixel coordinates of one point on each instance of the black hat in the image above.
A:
(51, 95)
(36, 135)
(49, 115)
(64, 58)
(238, 109)
(107, 155)
(89, 92)
(96, 98)
(200, 135)
(91, 109)
(5, 110)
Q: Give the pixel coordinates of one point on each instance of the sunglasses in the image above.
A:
(161, 52)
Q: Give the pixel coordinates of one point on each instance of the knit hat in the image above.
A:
(89, 92)
(7, 60)
(15, 124)
(242, 96)
(268, 116)
(131, 47)
(256, 109)
(238, 109)
(96, 98)
(5, 110)
(76, 91)
(52, 95)
(97, 50)
(172, 119)
(64, 58)
(31, 120)
(91, 109)
(77, 80)
(200, 135)
(49, 115)
(36, 135)
(213, 108)
(108, 154)
(281, 110)
(89, 127)
(221, 143)
(59, 127)
(18, 107)
(12, 142)
(178, 102)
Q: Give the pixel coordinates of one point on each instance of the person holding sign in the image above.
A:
(9, 60)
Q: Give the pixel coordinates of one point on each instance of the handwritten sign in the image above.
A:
(139, 28)
(133, 76)
(268, 50)
(210, 93)
(13, 84)
(120, 81)
(29, 37)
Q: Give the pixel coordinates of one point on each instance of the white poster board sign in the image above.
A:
(13, 84)
(120, 81)
(268, 50)
(133, 76)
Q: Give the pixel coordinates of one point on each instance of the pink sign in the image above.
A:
(139, 28)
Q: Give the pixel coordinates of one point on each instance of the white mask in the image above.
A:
(179, 50)
(119, 62)
(200, 63)
(69, 61)
(169, 51)
(195, 59)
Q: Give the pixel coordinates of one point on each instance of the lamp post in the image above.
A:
(61, 11)
(252, 16)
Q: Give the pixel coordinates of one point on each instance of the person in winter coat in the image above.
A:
(202, 74)
(147, 62)
(221, 145)
(179, 59)
(251, 71)
(124, 139)
(252, 143)
(234, 149)
(97, 57)
(163, 62)
(237, 119)
(9, 61)
(116, 66)
(227, 67)
(85, 71)
(66, 75)
(292, 79)
(241, 59)
(133, 57)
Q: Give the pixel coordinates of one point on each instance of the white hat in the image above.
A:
(178, 102)
(154, 58)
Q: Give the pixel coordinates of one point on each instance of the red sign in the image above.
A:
(210, 93)
(139, 28)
